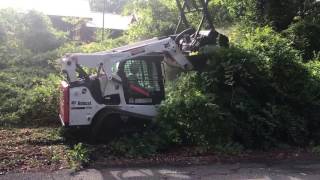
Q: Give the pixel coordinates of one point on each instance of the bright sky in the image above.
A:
(79, 8)
(73, 8)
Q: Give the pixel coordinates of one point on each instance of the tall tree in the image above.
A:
(39, 35)
(155, 18)
(278, 14)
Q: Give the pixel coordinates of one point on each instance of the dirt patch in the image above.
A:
(43, 149)
(186, 156)
(31, 150)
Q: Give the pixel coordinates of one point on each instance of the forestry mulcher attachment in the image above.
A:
(128, 83)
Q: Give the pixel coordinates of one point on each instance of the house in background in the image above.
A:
(64, 23)
(117, 24)
(84, 28)
(74, 17)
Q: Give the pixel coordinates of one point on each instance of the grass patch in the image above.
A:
(78, 156)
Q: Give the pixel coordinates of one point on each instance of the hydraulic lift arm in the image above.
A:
(167, 46)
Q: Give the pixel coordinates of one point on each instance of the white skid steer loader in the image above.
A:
(128, 83)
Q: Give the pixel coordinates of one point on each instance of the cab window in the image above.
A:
(143, 74)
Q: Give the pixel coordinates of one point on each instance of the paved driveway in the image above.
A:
(251, 171)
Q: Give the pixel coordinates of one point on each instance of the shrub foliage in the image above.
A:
(258, 93)
(28, 83)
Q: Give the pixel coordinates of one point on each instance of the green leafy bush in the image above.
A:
(261, 90)
(193, 114)
(277, 59)
(27, 62)
(305, 34)
(138, 145)
(36, 104)
(78, 156)
(279, 88)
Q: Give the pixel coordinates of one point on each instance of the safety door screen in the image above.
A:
(144, 81)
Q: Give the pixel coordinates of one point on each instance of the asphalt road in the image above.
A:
(246, 171)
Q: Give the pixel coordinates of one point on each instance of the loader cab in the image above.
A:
(143, 82)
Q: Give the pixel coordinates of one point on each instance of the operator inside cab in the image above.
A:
(132, 75)
(135, 77)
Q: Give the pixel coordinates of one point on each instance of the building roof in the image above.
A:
(111, 21)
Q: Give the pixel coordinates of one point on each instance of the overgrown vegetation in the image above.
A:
(28, 77)
(261, 93)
